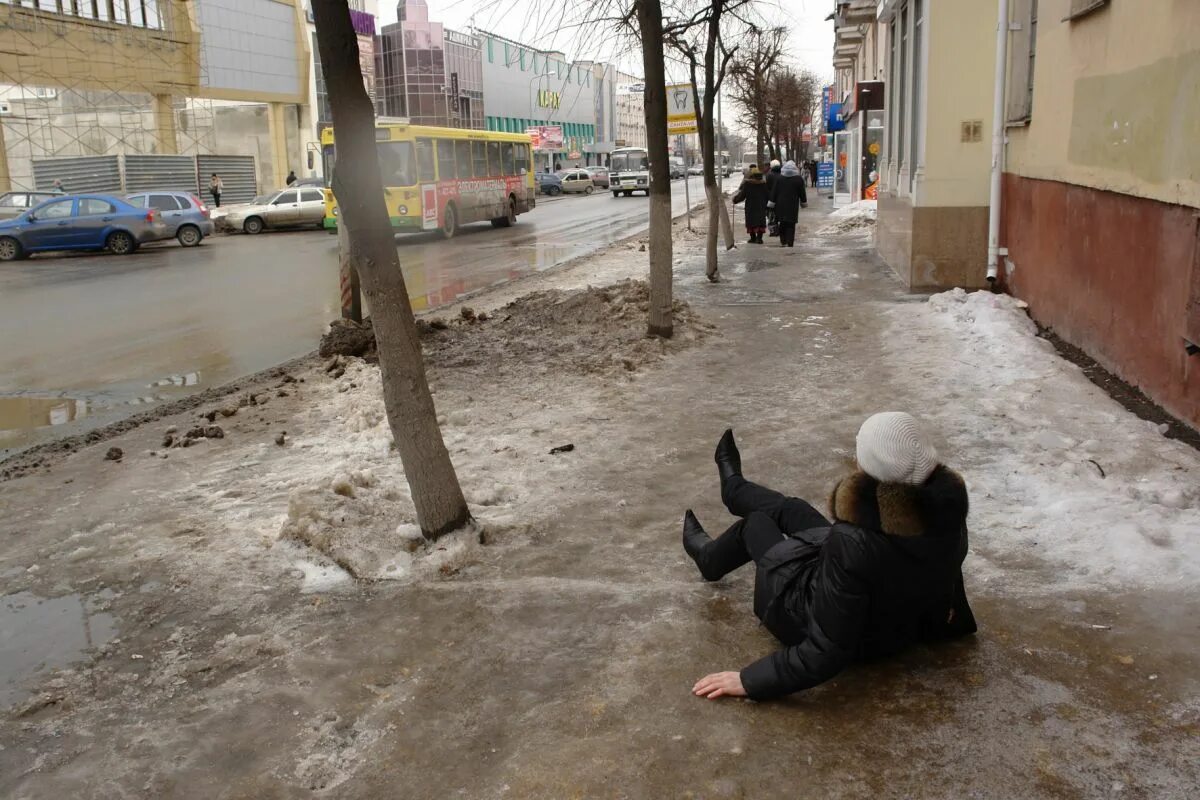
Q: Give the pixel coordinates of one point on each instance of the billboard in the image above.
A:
(681, 109)
(546, 138)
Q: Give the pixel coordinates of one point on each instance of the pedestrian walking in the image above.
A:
(215, 187)
(770, 177)
(812, 172)
(786, 199)
(885, 574)
(291, 178)
(753, 192)
(57, 187)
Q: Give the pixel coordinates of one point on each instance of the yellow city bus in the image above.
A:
(443, 178)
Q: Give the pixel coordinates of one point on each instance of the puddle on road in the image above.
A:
(38, 634)
(24, 413)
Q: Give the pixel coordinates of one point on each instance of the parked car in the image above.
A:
(186, 217)
(599, 176)
(577, 180)
(696, 169)
(549, 183)
(80, 222)
(14, 204)
(286, 208)
(678, 170)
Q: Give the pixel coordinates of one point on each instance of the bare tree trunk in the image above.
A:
(436, 493)
(650, 26)
(726, 222)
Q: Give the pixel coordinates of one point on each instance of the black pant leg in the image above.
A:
(790, 514)
(746, 540)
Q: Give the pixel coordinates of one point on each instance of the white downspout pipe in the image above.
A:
(998, 105)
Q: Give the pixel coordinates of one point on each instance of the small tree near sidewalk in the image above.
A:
(438, 498)
(647, 16)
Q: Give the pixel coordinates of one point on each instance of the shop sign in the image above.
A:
(681, 109)
(825, 175)
(548, 99)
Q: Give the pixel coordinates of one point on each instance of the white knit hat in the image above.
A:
(892, 448)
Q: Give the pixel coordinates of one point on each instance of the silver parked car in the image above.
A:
(287, 208)
(14, 204)
(186, 217)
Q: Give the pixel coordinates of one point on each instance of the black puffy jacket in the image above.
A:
(886, 575)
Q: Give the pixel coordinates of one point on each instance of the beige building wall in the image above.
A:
(957, 79)
(1116, 100)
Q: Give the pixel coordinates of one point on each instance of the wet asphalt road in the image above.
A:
(90, 338)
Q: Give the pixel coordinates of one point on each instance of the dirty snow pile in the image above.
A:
(858, 216)
(335, 505)
(595, 330)
(1060, 474)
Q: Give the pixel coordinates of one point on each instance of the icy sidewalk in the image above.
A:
(553, 658)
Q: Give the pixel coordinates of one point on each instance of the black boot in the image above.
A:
(697, 545)
(729, 460)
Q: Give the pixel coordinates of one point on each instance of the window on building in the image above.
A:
(479, 159)
(1080, 8)
(1022, 51)
(425, 160)
(495, 168)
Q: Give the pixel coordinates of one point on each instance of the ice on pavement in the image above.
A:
(1032, 436)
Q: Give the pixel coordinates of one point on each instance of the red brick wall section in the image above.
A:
(1112, 274)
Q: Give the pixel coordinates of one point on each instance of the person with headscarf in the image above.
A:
(885, 574)
(786, 198)
(753, 192)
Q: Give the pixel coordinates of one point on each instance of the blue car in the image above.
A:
(549, 183)
(80, 222)
(185, 215)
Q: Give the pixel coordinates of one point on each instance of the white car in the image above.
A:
(286, 208)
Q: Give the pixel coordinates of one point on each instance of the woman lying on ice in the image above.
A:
(885, 574)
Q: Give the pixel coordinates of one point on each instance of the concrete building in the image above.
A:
(427, 73)
(1102, 185)
(151, 76)
(316, 114)
(630, 112)
(524, 87)
(919, 145)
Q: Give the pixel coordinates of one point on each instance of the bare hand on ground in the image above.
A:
(719, 684)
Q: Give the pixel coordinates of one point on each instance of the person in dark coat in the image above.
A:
(771, 177)
(786, 199)
(753, 192)
(885, 574)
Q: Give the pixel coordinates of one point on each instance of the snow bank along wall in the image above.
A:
(1102, 190)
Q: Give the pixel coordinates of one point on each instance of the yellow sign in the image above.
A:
(681, 109)
(548, 99)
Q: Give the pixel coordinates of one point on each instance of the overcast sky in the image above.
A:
(560, 24)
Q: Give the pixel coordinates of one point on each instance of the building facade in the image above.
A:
(427, 73)
(923, 148)
(526, 87)
(630, 112)
(153, 75)
(1100, 174)
(1100, 211)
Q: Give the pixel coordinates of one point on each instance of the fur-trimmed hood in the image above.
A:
(936, 508)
